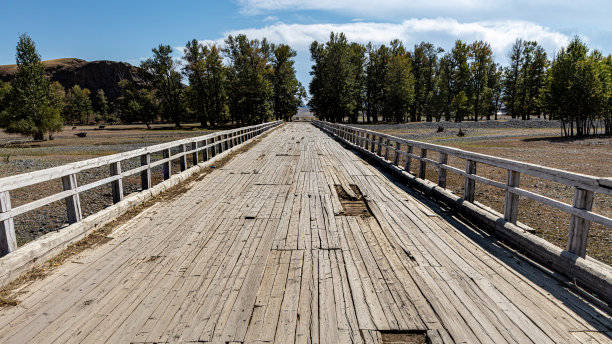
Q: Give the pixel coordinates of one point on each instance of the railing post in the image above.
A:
(579, 227)
(470, 184)
(73, 203)
(205, 150)
(8, 240)
(367, 141)
(379, 149)
(145, 175)
(116, 185)
(408, 158)
(167, 165)
(441, 170)
(397, 149)
(213, 148)
(183, 158)
(194, 155)
(512, 199)
(423, 163)
(387, 144)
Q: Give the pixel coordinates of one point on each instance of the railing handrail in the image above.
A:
(35, 177)
(585, 181)
(212, 144)
(585, 185)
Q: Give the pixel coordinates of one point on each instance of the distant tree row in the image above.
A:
(257, 83)
(395, 84)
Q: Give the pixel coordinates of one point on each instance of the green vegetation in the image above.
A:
(31, 108)
(397, 85)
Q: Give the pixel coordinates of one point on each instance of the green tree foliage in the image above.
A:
(524, 79)
(195, 71)
(337, 82)
(161, 73)
(102, 108)
(424, 63)
(288, 92)
(78, 105)
(249, 78)
(137, 105)
(481, 58)
(576, 93)
(375, 74)
(32, 108)
(399, 84)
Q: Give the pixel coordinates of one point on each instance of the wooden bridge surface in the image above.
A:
(263, 250)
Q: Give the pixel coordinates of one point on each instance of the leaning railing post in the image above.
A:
(470, 184)
(8, 240)
(579, 227)
(73, 203)
(116, 185)
(512, 199)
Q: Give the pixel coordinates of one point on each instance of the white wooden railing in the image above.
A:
(209, 145)
(585, 186)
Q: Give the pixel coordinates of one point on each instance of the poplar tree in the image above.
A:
(288, 91)
(160, 71)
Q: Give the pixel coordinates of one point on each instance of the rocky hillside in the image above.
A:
(93, 75)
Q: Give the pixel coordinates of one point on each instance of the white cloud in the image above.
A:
(271, 19)
(440, 31)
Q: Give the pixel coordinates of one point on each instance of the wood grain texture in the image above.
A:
(259, 252)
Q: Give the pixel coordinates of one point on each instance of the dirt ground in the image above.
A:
(541, 146)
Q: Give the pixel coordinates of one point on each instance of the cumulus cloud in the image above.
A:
(440, 31)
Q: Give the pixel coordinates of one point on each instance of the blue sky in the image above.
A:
(127, 30)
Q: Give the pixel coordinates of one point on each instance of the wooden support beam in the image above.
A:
(116, 185)
(441, 171)
(423, 164)
(512, 199)
(145, 176)
(379, 150)
(194, 155)
(468, 191)
(579, 227)
(408, 158)
(167, 165)
(73, 203)
(8, 240)
(367, 141)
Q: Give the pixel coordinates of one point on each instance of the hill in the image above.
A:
(93, 75)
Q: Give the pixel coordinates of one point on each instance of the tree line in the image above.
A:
(394, 84)
(243, 83)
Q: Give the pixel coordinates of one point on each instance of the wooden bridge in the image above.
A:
(300, 240)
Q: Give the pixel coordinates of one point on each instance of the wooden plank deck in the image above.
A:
(262, 250)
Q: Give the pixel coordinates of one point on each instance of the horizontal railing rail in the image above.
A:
(209, 145)
(585, 186)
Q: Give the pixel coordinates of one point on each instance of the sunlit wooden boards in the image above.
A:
(261, 251)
